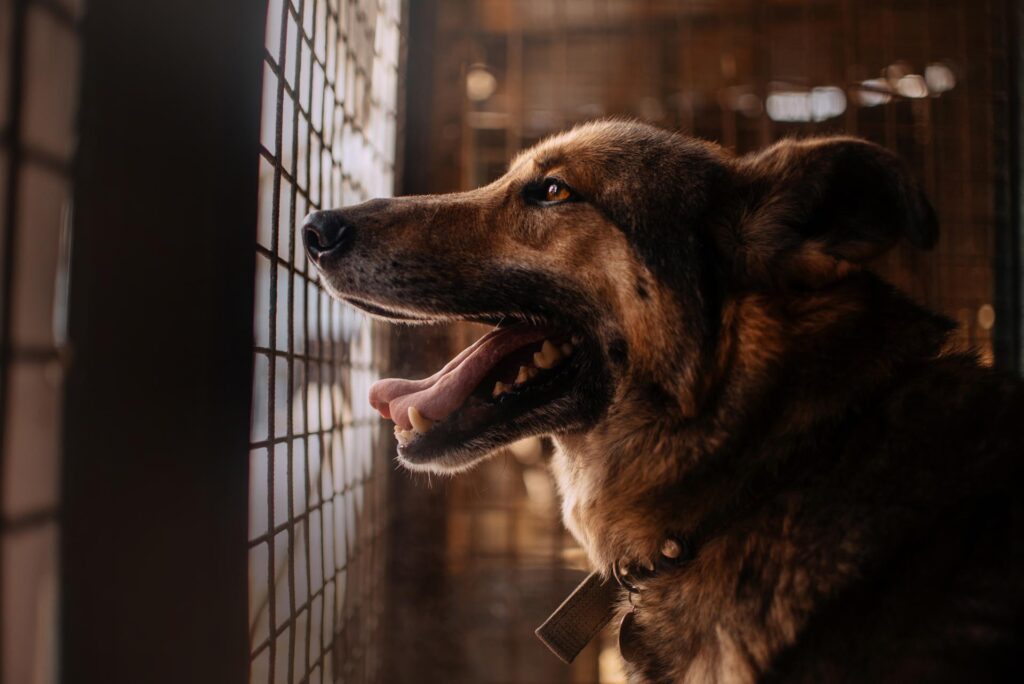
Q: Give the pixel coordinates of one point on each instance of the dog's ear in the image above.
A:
(816, 209)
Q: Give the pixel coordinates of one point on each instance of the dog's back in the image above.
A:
(938, 467)
(869, 519)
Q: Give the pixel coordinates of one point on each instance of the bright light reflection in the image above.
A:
(939, 77)
(819, 104)
(873, 93)
(913, 86)
(480, 83)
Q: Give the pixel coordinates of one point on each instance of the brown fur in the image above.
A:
(847, 480)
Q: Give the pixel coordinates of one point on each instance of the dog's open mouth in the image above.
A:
(505, 375)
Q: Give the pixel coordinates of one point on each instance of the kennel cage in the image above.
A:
(139, 488)
(318, 468)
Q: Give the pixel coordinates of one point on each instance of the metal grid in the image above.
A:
(706, 67)
(319, 461)
(39, 45)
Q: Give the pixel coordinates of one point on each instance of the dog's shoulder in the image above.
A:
(960, 413)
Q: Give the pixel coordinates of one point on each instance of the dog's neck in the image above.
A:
(645, 473)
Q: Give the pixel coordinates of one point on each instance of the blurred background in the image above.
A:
(191, 474)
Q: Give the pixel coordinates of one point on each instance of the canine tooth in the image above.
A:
(499, 389)
(420, 423)
(548, 355)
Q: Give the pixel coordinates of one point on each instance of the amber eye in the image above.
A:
(556, 192)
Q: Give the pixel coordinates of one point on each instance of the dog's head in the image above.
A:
(603, 258)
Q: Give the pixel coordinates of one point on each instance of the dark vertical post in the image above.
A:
(418, 98)
(1008, 345)
(160, 327)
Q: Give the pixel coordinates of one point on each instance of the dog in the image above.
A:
(792, 468)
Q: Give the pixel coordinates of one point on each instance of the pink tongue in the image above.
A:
(438, 396)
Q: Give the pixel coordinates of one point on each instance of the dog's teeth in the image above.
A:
(420, 423)
(548, 356)
(404, 436)
(526, 373)
(499, 389)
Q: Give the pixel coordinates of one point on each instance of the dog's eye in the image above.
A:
(556, 191)
(547, 192)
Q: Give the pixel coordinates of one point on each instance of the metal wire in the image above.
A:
(318, 467)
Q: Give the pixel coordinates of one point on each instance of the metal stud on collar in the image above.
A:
(675, 549)
(621, 574)
(671, 549)
(673, 552)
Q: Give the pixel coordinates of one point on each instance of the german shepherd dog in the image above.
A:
(719, 373)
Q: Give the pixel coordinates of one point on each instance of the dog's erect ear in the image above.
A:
(817, 209)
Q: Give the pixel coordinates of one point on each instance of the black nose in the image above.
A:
(325, 232)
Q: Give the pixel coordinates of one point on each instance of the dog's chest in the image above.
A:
(682, 642)
(578, 488)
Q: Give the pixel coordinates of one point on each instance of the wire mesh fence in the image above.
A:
(319, 466)
(39, 54)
